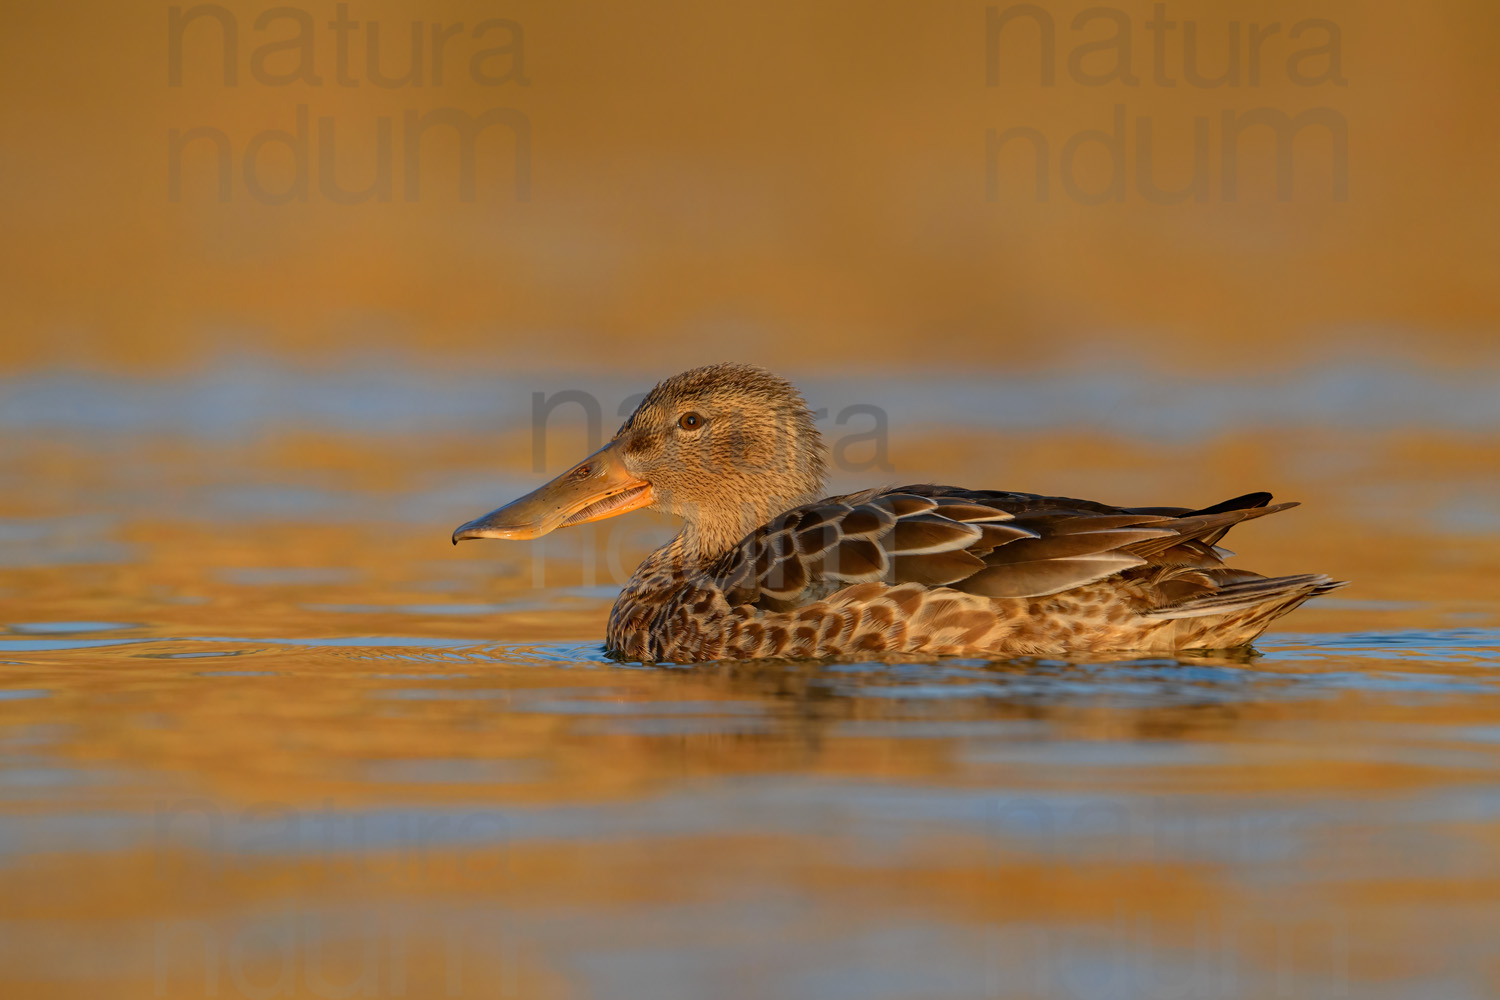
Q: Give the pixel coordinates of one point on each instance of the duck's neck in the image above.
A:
(711, 533)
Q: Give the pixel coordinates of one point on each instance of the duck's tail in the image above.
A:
(1236, 613)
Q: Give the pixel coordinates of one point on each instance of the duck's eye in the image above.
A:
(690, 421)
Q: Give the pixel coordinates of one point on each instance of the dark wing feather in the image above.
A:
(988, 543)
(1039, 577)
(920, 534)
(936, 569)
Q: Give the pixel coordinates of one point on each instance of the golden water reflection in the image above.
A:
(265, 733)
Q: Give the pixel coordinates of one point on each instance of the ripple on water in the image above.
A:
(506, 607)
(450, 771)
(48, 628)
(350, 642)
(1420, 640)
(236, 673)
(541, 599)
(446, 694)
(275, 576)
(51, 645)
(1424, 661)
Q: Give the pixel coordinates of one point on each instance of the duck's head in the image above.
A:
(726, 447)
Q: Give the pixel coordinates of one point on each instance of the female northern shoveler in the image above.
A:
(763, 568)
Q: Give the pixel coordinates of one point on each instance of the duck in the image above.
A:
(767, 566)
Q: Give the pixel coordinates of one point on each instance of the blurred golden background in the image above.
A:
(264, 732)
(773, 182)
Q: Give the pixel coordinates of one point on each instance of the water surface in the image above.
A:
(263, 732)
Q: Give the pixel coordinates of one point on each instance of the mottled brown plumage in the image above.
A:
(759, 571)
